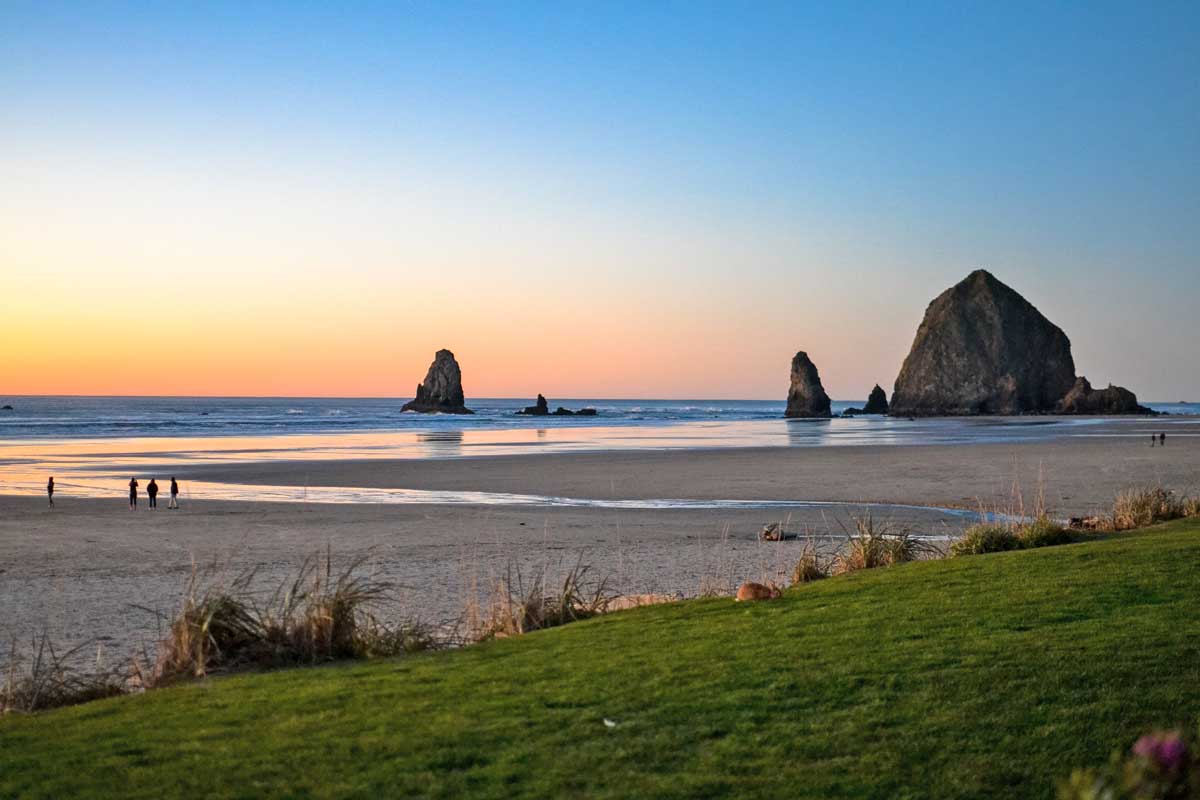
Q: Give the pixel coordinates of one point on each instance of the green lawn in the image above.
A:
(985, 676)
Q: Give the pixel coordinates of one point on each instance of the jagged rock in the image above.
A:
(983, 349)
(806, 396)
(540, 410)
(877, 403)
(441, 391)
(1083, 399)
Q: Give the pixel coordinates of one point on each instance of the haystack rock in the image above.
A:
(1083, 399)
(442, 391)
(983, 349)
(806, 396)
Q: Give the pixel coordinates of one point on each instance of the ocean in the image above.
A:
(71, 418)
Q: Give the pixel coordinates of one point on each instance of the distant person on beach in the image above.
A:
(133, 486)
(174, 501)
(1162, 440)
(50, 490)
(1152, 438)
(152, 492)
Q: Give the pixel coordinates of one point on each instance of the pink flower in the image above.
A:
(1168, 750)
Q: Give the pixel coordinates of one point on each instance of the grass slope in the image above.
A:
(983, 676)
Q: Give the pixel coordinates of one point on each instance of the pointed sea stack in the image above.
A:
(540, 409)
(441, 392)
(983, 349)
(877, 403)
(806, 396)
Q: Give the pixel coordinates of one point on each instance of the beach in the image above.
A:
(676, 521)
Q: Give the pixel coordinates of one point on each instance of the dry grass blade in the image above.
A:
(874, 544)
(47, 680)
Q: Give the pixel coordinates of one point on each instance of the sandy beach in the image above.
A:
(79, 569)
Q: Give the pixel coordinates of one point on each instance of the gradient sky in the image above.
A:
(589, 200)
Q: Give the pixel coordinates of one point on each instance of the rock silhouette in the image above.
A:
(1083, 399)
(806, 396)
(540, 409)
(983, 349)
(441, 391)
(877, 403)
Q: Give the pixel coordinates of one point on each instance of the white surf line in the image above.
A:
(338, 495)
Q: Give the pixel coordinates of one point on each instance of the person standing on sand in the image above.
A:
(133, 484)
(152, 491)
(50, 490)
(174, 501)
(1152, 438)
(1162, 440)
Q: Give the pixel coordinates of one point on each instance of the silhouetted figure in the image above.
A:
(1152, 438)
(133, 486)
(152, 492)
(174, 501)
(50, 490)
(1162, 440)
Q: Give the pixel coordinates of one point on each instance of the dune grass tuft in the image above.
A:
(518, 605)
(1142, 506)
(985, 538)
(810, 567)
(875, 544)
(317, 616)
(46, 679)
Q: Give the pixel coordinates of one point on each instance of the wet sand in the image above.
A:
(1080, 475)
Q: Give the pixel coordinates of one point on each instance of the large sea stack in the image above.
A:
(441, 391)
(806, 396)
(984, 349)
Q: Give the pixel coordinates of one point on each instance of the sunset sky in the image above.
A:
(585, 199)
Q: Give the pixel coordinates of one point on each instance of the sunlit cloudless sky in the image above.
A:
(585, 199)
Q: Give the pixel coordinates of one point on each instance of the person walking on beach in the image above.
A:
(50, 490)
(152, 491)
(1162, 440)
(133, 486)
(174, 501)
(1152, 438)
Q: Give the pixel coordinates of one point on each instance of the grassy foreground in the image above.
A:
(989, 675)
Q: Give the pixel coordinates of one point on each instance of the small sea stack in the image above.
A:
(542, 409)
(877, 403)
(441, 392)
(1083, 399)
(806, 396)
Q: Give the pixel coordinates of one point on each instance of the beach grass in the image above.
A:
(990, 676)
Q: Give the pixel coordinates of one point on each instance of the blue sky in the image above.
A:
(717, 184)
